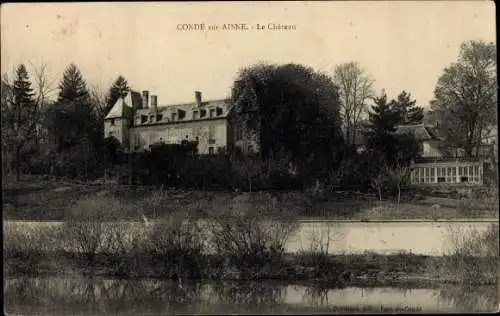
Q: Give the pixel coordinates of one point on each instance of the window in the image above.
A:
(195, 115)
(427, 175)
(182, 114)
(197, 131)
(174, 116)
(144, 119)
(477, 176)
(203, 113)
(441, 173)
(462, 173)
(212, 113)
(219, 111)
(210, 150)
(112, 121)
(451, 174)
(418, 175)
(151, 118)
(211, 134)
(159, 117)
(111, 134)
(470, 174)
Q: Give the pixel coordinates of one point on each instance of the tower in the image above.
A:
(119, 120)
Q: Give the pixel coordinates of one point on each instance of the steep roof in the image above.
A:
(419, 131)
(188, 107)
(123, 106)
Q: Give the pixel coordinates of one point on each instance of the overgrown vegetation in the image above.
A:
(244, 246)
(250, 241)
(474, 257)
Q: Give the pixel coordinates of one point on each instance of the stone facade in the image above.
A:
(138, 122)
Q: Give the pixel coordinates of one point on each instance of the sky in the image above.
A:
(402, 45)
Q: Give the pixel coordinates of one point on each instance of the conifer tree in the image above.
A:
(72, 86)
(382, 118)
(19, 115)
(119, 89)
(73, 117)
(409, 112)
(382, 140)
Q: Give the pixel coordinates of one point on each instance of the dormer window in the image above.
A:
(159, 117)
(182, 114)
(174, 115)
(203, 113)
(195, 115)
(212, 113)
(219, 111)
(144, 119)
(112, 121)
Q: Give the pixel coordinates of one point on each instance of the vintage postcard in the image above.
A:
(249, 157)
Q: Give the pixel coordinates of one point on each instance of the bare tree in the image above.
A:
(399, 176)
(356, 87)
(377, 183)
(466, 93)
(99, 100)
(250, 168)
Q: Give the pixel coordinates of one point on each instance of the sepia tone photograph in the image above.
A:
(302, 157)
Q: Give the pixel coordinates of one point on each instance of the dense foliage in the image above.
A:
(292, 109)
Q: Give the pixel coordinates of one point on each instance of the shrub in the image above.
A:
(250, 241)
(318, 253)
(93, 225)
(473, 258)
(29, 246)
(206, 172)
(177, 242)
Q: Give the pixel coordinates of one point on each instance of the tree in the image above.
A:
(355, 88)
(381, 123)
(249, 169)
(398, 177)
(119, 89)
(111, 152)
(466, 92)
(75, 128)
(408, 111)
(291, 108)
(74, 116)
(99, 100)
(21, 112)
(382, 139)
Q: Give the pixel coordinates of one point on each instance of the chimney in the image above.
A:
(145, 99)
(197, 95)
(154, 102)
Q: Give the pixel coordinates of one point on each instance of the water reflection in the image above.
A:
(471, 298)
(91, 296)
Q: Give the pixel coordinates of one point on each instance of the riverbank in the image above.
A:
(242, 243)
(330, 270)
(39, 200)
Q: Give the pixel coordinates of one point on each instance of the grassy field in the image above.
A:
(50, 200)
